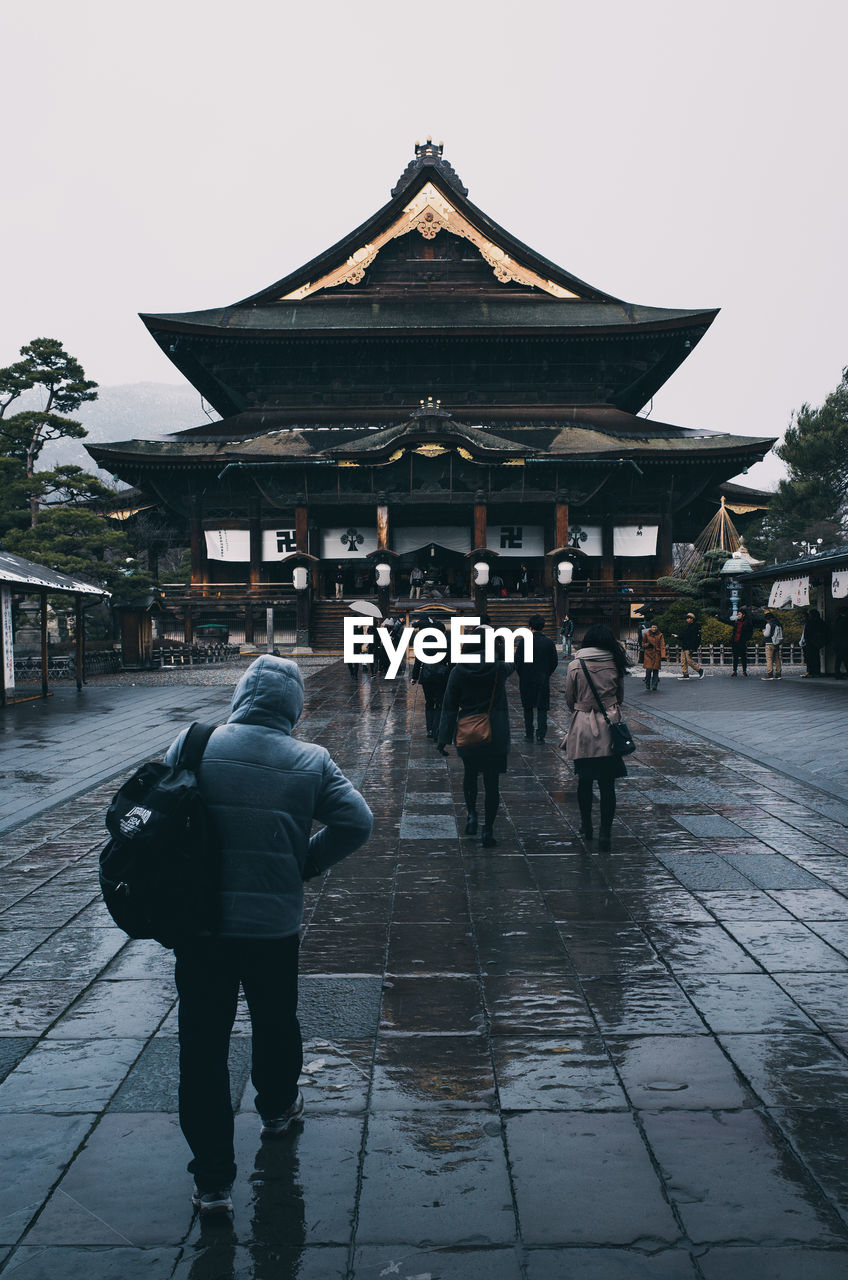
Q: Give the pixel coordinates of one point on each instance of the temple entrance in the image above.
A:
(446, 572)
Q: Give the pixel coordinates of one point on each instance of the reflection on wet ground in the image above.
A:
(532, 1062)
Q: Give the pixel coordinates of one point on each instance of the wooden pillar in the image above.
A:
(665, 548)
(42, 595)
(479, 522)
(827, 608)
(248, 623)
(560, 524)
(188, 624)
(197, 544)
(301, 527)
(382, 526)
(79, 642)
(608, 562)
(255, 534)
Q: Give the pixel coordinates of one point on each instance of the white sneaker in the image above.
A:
(281, 1124)
(212, 1202)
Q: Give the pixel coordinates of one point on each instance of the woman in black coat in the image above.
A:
(469, 690)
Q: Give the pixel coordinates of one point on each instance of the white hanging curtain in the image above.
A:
(586, 538)
(453, 537)
(635, 539)
(228, 544)
(516, 539)
(839, 584)
(278, 544)
(780, 596)
(352, 543)
(801, 592)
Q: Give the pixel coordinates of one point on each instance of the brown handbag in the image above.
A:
(475, 730)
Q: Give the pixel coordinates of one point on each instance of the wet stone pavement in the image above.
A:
(535, 1062)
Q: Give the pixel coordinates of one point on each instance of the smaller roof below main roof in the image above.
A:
(581, 433)
(19, 572)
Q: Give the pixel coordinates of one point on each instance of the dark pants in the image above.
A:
(492, 787)
(606, 788)
(432, 715)
(652, 677)
(840, 659)
(740, 654)
(812, 658)
(541, 721)
(208, 974)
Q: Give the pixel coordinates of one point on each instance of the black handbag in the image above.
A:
(622, 739)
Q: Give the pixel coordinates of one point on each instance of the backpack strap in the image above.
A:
(591, 685)
(194, 745)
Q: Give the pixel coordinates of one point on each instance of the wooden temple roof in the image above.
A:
(601, 434)
(428, 265)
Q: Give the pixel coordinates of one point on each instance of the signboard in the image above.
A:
(522, 540)
(839, 584)
(635, 539)
(354, 542)
(8, 639)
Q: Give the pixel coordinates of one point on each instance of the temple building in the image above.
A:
(429, 392)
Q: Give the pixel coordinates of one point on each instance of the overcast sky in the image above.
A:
(177, 155)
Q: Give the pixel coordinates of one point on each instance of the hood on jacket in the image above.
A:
(269, 693)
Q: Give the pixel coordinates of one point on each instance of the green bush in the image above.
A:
(792, 623)
(715, 632)
(672, 621)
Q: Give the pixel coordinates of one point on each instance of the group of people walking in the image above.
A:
(593, 693)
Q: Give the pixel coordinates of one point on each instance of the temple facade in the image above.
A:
(430, 393)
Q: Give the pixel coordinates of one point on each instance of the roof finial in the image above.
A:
(430, 149)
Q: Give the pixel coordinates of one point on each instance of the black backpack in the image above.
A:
(160, 872)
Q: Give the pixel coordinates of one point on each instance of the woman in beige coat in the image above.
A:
(653, 655)
(588, 743)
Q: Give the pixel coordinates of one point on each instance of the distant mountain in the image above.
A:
(133, 411)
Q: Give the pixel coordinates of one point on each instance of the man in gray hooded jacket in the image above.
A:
(263, 790)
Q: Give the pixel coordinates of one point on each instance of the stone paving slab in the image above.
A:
(537, 1061)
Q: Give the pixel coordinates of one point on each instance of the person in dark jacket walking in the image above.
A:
(470, 689)
(743, 629)
(263, 790)
(534, 679)
(588, 743)
(433, 679)
(813, 640)
(566, 635)
(690, 643)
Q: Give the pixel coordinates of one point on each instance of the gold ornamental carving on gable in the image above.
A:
(431, 450)
(429, 213)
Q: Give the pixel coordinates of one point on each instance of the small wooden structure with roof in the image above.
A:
(19, 576)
